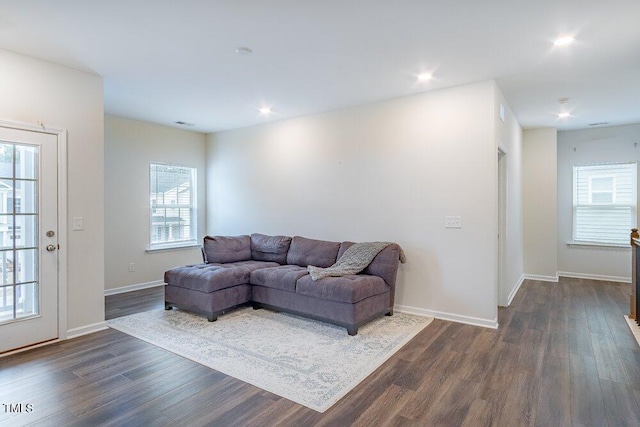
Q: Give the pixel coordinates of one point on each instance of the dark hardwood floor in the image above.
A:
(563, 355)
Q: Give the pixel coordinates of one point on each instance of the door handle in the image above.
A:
(51, 248)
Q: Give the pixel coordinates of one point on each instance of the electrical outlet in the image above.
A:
(132, 267)
(452, 222)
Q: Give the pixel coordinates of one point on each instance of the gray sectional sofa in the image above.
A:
(271, 272)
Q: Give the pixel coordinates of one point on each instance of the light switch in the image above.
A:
(78, 223)
(452, 222)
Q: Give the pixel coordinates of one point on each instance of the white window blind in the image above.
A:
(604, 203)
(173, 205)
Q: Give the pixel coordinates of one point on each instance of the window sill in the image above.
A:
(589, 245)
(172, 247)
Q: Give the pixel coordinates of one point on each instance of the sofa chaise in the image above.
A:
(271, 272)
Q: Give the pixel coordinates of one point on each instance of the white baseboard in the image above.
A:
(135, 287)
(513, 293)
(475, 321)
(541, 278)
(594, 277)
(87, 329)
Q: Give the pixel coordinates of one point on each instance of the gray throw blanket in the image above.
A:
(355, 259)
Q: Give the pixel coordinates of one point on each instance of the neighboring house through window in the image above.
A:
(173, 206)
(604, 203)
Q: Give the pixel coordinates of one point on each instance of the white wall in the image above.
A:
(539, 186)
(509, 138)
(32, 90)
(386, 171)
(600, 145)
(130, 146)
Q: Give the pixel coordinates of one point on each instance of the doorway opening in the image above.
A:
(502, 227)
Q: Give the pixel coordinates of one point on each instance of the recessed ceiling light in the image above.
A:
(564, 115)
(244, 51)
(265, 111)
(424, 77)
(563, 41)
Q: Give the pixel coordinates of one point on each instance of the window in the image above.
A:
(173, 206)
(604, 203)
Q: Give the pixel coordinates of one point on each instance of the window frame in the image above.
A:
(192, 206)
(614, 204)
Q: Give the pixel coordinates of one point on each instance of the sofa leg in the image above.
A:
(352, 330)
(167, 306)
(256, 306)
(390, 313)
(212, 318)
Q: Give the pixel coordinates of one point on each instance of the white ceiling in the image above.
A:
(167, 60)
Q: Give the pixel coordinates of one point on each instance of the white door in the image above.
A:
(28, 238)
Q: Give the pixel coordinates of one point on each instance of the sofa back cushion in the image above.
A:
(222, 249)
(304, 252)
(384, 265)
(270, 248)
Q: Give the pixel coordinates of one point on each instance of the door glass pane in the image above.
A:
(24, 233)
(25, 266)
(6, 231)
(26, 197)
(26, 161)
(6, 267)
(26, 300)
(6, 160)
(6, 196)
(6, 303)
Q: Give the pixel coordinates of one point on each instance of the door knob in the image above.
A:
(51, 248)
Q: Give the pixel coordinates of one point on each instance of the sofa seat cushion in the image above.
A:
(283, 277)
(251, 265)
(207, 277)
(349, 289)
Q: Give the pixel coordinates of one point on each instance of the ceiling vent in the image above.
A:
(181, 123)
(598, 124)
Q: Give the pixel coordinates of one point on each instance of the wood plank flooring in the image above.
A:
(563, 355)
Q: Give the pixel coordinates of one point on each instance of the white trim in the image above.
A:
(458, 318)
(592, 245)
(62, 236)
(87, 329)
(515, 290)
(172, 247)
(541, 278)
(595, 277)
(134, 287)
(31, 127)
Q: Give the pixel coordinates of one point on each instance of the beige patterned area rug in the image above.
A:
(635, 329)
(311, 363)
